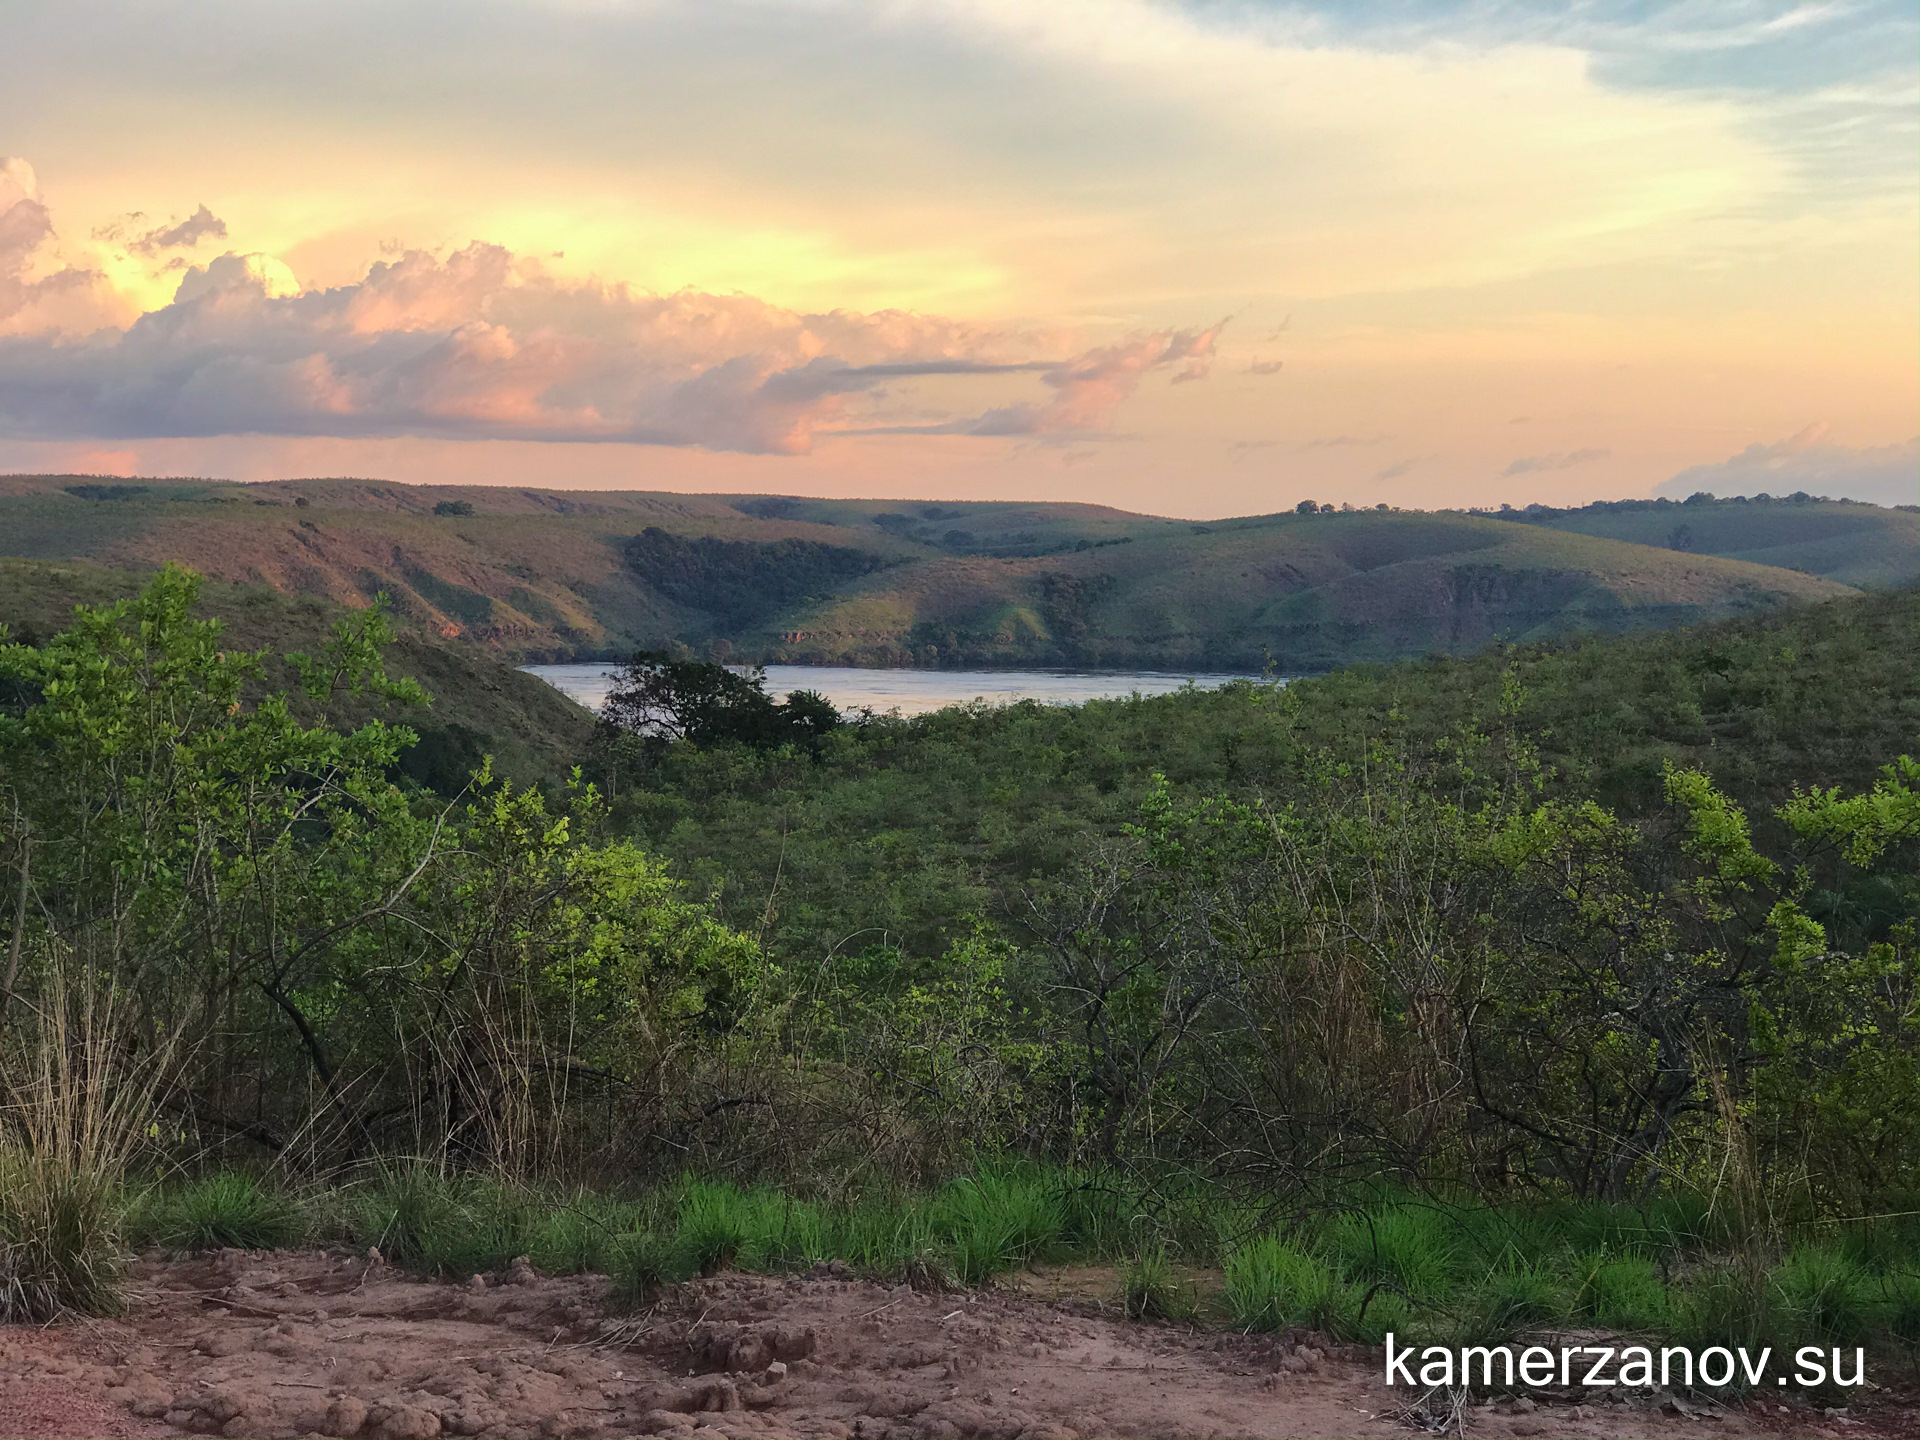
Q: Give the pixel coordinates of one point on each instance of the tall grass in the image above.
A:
(72, 1111)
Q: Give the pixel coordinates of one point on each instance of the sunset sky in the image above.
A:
(1196, 259)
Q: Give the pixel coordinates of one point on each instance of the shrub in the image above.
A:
(997, 1221)
(441, 1225)
(715, 1224)
(646, 1261)
(1726, 1305)
(1513, 1297)
(71, 1113)
(1900, 1307)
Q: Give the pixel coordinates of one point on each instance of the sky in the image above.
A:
(1195, 259)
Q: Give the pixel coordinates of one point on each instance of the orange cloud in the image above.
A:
(480, 345)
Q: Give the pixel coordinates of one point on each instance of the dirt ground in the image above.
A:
(301, 1344)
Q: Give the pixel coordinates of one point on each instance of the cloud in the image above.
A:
(1396, 470)
(200, 226)
(32, 290)
(481, 345)
(203, 224)
(1808, 461)
(1266, 367)
(1560, 460)
(1090, 387)
(1337, 442)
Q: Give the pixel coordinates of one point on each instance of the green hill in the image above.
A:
(479, 704)
(539, 574)
(1865, 546)
(1314, 591)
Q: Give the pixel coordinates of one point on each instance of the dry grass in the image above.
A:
(72, 1111)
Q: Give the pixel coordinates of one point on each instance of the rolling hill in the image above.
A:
(480, 705)
(1865, 546)
(534, 574)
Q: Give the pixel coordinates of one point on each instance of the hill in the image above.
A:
(479, 704)
(1313, 591)
(541, 574)
(1865, 546)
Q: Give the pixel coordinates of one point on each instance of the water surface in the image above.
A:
(915, 692)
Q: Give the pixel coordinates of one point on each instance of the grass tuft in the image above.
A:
(59, 1239)
(1149, 1291)
(1406, 1247)
(1621, 1292)
(1825, 1294)
(228, 1210)
(1271, 1284)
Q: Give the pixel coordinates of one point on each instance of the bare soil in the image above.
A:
(303, 1344)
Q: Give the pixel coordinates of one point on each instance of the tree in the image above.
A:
(661, 700)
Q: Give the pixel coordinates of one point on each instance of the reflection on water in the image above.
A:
(913, 692)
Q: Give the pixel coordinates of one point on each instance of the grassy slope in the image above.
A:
(542, 574)
(1860, 545)
(479, 704)
(1314, 591)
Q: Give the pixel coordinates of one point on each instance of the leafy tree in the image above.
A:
(659, 699)
(291, 922)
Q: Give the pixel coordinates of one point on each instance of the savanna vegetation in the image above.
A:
(1464, 995)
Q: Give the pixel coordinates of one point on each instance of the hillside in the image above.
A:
(479, 705)
(1313, 591)
(539, 574)
(1865, 546)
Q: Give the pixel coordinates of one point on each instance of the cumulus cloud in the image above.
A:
(1560, 460)
(481, 345)
(1811, 462)
(32, 288)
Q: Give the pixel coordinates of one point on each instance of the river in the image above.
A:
(915, 692)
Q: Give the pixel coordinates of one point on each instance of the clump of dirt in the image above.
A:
(340, 1345)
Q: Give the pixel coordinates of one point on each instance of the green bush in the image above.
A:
(442, 1225)
(715, 1224)
(1726, 1304)
(1512, 1298)
(646, 1261)
(1900, 1307)
(997, 1221)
